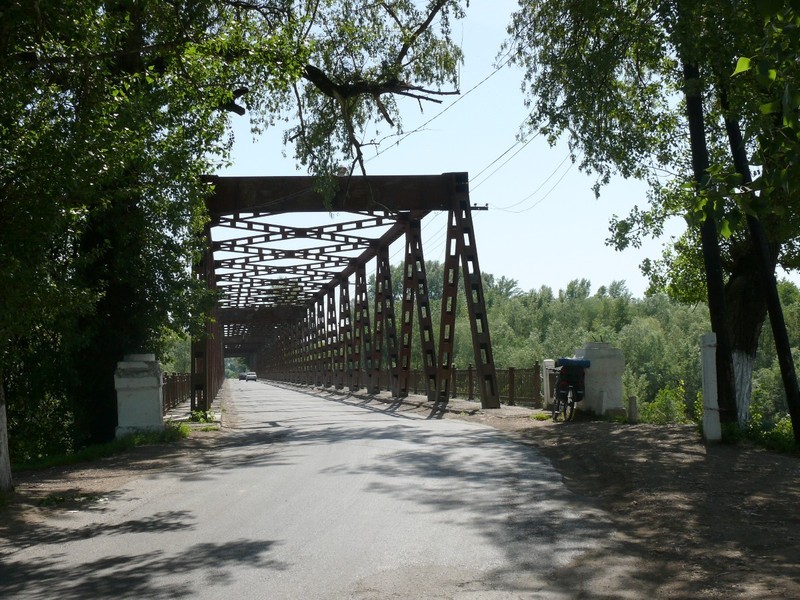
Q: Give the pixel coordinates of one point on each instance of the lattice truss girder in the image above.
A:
(255, 270)
(293, 298)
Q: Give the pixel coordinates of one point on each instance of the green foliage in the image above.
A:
(732, 433)
(56, 499)
(363, 55)
(598, 72)
(658, 336)
(768, 402)
(767, 71)
(234, 366)
(171, 433)
(669, 407)
(202, 416)
(177, 354)
(779, 437)
(696, 413)
(768, 396)
(39, 415)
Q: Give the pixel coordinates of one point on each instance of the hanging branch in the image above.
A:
(387, 83)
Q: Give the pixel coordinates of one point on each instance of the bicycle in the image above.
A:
(564, 404)
(569, 387)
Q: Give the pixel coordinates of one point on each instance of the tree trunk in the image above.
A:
(746, 313)
(710, 246)
(743, 364)
(6, 481)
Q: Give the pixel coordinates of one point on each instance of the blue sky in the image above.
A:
(544, 225)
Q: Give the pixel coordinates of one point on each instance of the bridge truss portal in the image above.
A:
(293, 288)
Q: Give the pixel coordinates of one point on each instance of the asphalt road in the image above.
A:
(317, 498)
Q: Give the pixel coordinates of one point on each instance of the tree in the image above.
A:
(787, 124)
(611, 77)
(763, 205)
(367, 54)
(111, 112)
(576, 290)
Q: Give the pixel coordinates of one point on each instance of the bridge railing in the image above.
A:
(515, 385)
(521, 386)
(176, 388)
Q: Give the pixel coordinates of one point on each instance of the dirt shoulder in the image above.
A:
(42, 493)
(704, 521)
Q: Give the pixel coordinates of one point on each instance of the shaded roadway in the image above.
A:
(313, 497)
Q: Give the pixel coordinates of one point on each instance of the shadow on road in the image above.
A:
(132, 575)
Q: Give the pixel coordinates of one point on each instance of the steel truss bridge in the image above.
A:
(284, 290)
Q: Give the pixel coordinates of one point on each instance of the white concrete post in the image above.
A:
(711, 428)
(548, 365)
(138, 381)
(603, 378)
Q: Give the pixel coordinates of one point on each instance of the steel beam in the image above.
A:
(275, 195)
(415, 291)
(362, 331)
(385, 327)
(447, 322)
(476, 306)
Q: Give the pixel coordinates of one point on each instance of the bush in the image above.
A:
(668, 407)
(40, 429)
(172, 432)
(201, 416)
(778, 436)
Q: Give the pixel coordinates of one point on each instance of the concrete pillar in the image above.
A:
(537, 384)
(633, 410)
(139, 400)
(549, 367)
(711, 427)
(603, 378)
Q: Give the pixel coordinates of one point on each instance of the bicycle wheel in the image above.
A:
(557, 407)
(569, 406)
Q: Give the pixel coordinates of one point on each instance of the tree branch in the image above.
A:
(419, 31)
(371, 88)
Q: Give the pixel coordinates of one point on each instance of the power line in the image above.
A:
(540, 200)
(480, 183)
(439, 114)
(541, 185)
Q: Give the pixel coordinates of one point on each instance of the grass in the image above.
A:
(620, 418)
(172, 432)
(56, 499)
(541, 416)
